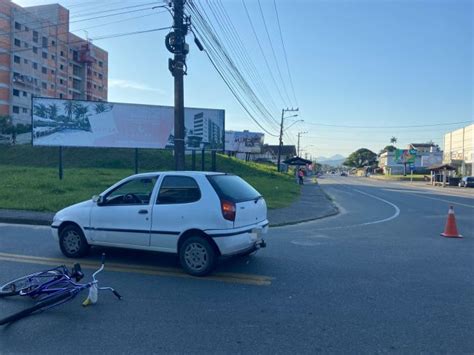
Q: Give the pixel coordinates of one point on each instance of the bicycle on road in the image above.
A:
(52, 288)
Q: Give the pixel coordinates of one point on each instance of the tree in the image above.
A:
(388, 148)
(360, 158)
(393, 140)
(7, 127)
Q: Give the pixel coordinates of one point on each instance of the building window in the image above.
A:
(16, 92)
(17, 26)
(61, 54)
(44, 70)
(26, 45)
(44, 55)
(53, 57)
(100, 76)
(16, 109)
(25, 61)
(61, 67)
(35, 36)
(27, 29)
(17, 42)
(52, 86)
(53, 42)
(24, 110)
(25, 94)
(52, 71)
(35, 65)
(35, 49)
(43, 85)
(101, 64)
(45, 42)
(16, 59)
(61, 96)
(61, 81)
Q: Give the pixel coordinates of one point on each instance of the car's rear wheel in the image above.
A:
(72, 242)
(197, 256)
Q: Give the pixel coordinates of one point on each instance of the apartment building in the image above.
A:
(459, 149)
(40, 57)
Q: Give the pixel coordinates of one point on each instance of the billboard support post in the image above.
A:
(136, 160)
(193, 160)
(60, 162)
(203, 158)
(213, 155)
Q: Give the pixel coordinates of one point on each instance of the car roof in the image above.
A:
(178, 173)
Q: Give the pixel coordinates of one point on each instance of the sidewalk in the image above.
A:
(313, 204)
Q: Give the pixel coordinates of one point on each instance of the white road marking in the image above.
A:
(421, 194)
(395, 215)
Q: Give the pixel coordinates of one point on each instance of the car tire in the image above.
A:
(197, 256)
(72, 242)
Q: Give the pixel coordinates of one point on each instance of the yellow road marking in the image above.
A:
(247, 279)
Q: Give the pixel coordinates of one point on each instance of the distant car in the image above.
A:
(343, 173)
(197, 215)
(467, 181)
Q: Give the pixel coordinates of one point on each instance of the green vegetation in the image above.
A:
(29, 175)
(360, 158)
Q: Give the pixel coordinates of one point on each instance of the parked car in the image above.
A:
(343, 173)
(467, 181)
(197, 215)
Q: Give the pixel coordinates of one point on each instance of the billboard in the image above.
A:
(78, 123)
(244, 142)
(403, 156)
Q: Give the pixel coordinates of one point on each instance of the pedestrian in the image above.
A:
(300, 176)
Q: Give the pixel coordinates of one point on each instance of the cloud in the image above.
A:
(133, 85)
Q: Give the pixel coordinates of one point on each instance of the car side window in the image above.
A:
(178, 189)
(133, 192)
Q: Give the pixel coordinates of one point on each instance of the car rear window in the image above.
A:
(470, 179)
(233, 188)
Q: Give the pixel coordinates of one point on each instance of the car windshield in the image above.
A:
(233, 188)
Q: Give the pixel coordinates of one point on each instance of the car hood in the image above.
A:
(73, 208)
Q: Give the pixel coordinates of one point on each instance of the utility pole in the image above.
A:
(176, 43)
(281, 133)
(299, 135)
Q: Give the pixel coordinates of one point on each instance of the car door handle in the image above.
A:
(143, 212)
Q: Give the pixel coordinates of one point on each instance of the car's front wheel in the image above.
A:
(197, 256)
(72, 242)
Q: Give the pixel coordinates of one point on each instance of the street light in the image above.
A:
(299, 135)
(292, 123)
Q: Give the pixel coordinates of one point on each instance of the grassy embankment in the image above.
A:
(29, 175)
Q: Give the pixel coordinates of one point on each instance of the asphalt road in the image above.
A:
(376, 278)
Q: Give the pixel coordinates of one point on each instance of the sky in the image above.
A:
(363, 71)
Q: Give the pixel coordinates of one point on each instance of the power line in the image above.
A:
(273, 51)
(388, 127)
(284, 51)
(263, 54)
(227, 67)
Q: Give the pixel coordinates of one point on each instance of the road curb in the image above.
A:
(26, 221)
(332, 213)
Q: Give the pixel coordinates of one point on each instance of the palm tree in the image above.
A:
(53, 111)
(393, 140)
(41, 110)
(69, 109)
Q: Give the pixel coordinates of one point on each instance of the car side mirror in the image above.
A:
(98, 199)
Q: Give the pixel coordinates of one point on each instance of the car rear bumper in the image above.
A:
(241, 240)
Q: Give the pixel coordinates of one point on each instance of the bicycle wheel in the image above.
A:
(62, 297)
(31, 281)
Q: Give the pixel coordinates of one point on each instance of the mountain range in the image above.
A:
(335, 160)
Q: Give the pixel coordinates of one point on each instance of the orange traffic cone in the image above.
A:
(450, 230)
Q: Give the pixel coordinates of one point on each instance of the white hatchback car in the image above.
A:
(198, 215)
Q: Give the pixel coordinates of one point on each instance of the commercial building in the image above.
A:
(458, 149)
(425, 155)
(209, 132)
(40, 57)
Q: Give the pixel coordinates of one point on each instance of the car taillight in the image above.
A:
(228, 210)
